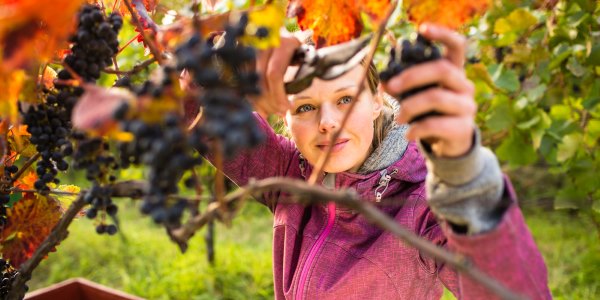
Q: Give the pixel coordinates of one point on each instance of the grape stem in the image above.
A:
(312, 194)
(323, 158)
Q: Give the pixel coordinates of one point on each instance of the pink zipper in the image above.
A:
(315, 249)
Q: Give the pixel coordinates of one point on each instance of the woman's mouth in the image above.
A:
(337, 146)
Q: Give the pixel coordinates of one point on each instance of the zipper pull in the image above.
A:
(383, 184)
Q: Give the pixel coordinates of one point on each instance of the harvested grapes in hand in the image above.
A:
(406, 55)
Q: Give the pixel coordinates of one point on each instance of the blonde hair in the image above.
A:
(380, 127)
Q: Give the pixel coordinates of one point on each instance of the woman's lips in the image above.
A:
(338, 146)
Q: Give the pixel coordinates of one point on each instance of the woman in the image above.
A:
(454, 196)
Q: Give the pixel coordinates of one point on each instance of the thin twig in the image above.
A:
(324, 157)
(149, 42)
(25, 166)
(54, 192)
(219, 177)
(310, 194)
(136, 69)
(129, 43)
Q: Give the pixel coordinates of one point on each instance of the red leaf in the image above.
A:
(95, 108)
(334, 22)
(30, 221)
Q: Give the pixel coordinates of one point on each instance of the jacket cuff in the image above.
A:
(456, 170)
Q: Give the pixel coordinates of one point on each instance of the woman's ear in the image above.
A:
(377, 104)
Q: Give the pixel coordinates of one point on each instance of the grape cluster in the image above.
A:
(93, 155)
(5, 197)
(222, 67)
(49, 125)
(8, 276)
(99, 198)
(94, 43)
(411, 54)
(165, 149)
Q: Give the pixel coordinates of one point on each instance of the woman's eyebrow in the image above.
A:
(345, 88)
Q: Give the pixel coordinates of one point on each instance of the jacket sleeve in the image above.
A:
(506, 253)
(270, 159)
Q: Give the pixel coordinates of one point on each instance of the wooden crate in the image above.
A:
(78, 289)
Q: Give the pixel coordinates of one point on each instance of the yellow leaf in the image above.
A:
(270, 17)
(66, 200)
(10, 86)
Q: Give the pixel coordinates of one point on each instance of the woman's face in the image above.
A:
(317, 112)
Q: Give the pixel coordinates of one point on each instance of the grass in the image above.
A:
(142, 261)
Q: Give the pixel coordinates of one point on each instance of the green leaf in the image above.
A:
(596, 205)
(593, 96)
(568, 147)
(560, 112)
(518, 20)
(529, 123)
(594, 57)
(500, 116)
(569, 197)
(536, 93)
(14, 197)
(538, 131)
(563, 52)
(575, 67)
(505, 78)
(517, 150)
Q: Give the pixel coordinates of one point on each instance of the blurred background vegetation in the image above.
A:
(536, 66)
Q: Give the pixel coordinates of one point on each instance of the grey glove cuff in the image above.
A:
(465, 191)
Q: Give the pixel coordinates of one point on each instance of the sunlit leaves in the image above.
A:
(32, 30)
(334, 22)
(450, 13)
(270, 18)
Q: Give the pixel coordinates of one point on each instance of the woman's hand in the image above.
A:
(451, 134)
(271, 66)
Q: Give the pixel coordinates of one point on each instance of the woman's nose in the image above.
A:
(329, 119)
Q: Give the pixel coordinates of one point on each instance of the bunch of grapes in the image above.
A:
(222, 66)
(93, 155)
(5, 195)
(94, 43)
(165, 148)
(49, 125)
(407, 55)
(8, 276)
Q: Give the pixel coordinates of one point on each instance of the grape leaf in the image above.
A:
(449, 13)
(30, 221)
(334, 22)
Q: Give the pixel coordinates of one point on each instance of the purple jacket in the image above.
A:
(329, 252)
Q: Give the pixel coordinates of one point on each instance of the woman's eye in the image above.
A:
(345, 100)
(304, 108)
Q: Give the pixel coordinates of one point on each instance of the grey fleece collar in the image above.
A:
(392, 147)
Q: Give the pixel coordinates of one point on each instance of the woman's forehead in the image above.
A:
(321, 87)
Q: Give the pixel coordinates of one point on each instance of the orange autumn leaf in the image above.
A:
(334, 22)
(32, 30)
(449, 13)
(30, 221)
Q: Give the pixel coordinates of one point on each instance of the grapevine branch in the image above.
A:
(150, 42)
(311, 194)
(323, 158)
(25, 166)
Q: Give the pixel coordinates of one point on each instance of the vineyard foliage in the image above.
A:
(535, 64)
